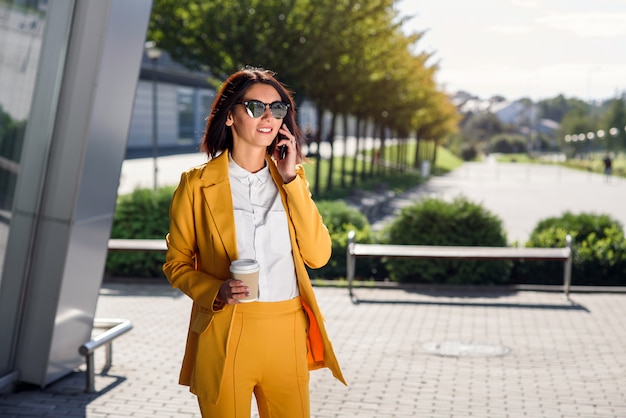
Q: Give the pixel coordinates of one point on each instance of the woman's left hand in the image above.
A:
(286, 166)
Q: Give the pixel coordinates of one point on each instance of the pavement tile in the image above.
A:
(563, 358)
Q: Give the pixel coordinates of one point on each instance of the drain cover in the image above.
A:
(457, 349)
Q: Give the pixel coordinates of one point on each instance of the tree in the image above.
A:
(345, 34)
(555, 108)
(481, 127)
(222, 36)
(613, 122)
(349, 57)
(576, 123)
(435, 121)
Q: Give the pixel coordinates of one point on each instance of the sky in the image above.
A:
(524, 48)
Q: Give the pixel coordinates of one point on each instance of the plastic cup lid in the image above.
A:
(244, 264)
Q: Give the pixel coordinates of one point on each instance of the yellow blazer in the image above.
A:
(201, 245)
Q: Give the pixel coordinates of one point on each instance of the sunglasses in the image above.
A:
(256, 108)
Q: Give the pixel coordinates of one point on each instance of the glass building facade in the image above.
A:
(68, 74)
(21, 29)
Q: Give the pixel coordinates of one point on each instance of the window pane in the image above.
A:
(186, 124)
(21, 27)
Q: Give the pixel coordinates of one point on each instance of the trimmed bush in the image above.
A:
(599, 250)
(508, 144)
(142, 214)
(469, 153)
(436, 222)
(340, 218)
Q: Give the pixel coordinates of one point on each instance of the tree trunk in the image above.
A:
(403, 151)
(318, 158)
(363, 160)
(382, 167)
(357, 134)
(331, 160)
(375, 152)
(399, 154)
(344, 155)
(416, 162)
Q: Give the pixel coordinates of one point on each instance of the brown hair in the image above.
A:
(217, 136)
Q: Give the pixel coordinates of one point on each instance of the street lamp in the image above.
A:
(154, 54)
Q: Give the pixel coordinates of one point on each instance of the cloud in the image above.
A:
(588, 25)
(525, 3)
(509, 29)
(573, 79)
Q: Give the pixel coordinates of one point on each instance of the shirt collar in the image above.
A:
(246, 177)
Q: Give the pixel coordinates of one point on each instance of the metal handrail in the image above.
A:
(114, 328)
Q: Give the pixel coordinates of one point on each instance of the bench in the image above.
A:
(150, 245)
(114, 328)
(355, 250)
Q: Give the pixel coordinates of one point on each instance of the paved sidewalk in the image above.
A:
(444, 353)
(522, 194)
(437, 353)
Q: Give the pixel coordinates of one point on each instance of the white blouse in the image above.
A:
(262, 231)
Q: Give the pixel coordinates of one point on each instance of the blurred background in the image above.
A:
(389, 93)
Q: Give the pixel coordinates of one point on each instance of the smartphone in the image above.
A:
(282, 151)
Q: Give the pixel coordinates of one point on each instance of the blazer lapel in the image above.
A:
(218, 198)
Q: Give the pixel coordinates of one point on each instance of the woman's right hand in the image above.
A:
(233, 290)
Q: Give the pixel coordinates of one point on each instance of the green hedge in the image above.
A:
(437, 222)
(340, 218)
(599, 244)
(599, 249)
(141, 214)
(145, 214)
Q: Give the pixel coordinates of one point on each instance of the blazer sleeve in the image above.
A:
(312, 236)
(182, 249)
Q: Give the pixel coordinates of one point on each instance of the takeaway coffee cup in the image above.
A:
(247, 270)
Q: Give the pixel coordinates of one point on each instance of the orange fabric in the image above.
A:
(315, 343)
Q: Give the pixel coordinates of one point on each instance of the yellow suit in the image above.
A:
(201, 245)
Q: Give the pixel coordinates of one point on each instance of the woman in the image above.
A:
(251, 200)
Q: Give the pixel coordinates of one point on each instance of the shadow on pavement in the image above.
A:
(63, 398)
(573, 306)
(466, 296)
(139, 287)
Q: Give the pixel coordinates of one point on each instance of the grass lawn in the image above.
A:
(592, 162)
(374, 178)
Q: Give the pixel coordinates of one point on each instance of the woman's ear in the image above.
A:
(229, 119)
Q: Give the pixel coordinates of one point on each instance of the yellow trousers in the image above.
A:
(266, 356)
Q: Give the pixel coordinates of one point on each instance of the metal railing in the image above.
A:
(114, 328)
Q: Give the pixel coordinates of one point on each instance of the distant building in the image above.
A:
(184, 99)
(520, 113)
